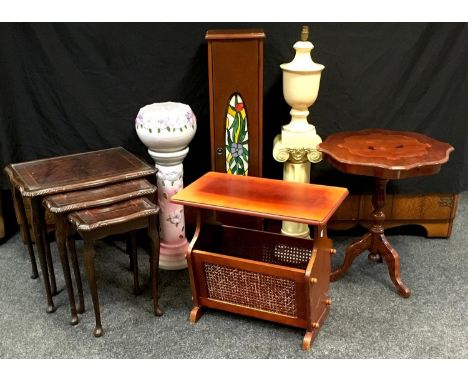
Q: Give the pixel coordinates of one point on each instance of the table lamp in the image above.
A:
(296, 146)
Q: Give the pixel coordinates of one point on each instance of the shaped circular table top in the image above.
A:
(385, 154)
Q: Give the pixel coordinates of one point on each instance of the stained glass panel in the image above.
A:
(237, 137)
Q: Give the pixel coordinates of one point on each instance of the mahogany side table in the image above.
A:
(262, 274)
(60, 205)
(383, 155)
(97, 223)
(38, 178)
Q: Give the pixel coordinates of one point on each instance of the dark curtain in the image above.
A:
(74, 87)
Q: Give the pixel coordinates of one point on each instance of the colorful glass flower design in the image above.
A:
(237, 137)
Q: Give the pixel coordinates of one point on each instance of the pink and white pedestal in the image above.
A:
(166, 129)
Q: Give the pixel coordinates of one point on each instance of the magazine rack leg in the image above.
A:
(196, 311)
(195, 314)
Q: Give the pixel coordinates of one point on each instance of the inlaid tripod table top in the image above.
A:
(385, 153)
(268, 198)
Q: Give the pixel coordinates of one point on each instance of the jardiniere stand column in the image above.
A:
(296, 146)
(167, 129)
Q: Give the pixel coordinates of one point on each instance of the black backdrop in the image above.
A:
(67, 88)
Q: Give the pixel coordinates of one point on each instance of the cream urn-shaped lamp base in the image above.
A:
(167, 129)
(296, 147)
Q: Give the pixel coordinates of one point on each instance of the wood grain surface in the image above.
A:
(270, 198)
(236, 34)
(385, 154)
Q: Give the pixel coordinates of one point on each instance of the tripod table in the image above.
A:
(383, 155)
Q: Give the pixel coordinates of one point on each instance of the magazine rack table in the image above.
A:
(383, 155)
(38, 178)
(261, 274)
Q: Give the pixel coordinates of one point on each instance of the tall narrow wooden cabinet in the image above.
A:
(235, 75)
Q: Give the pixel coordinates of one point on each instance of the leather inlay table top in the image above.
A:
(76, 171)
(98, 196)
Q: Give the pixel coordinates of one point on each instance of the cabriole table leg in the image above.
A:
(61, 239)
(392, 259)
(153, 233)
(23, 222)
(89, 255)
(76, 269)
(48, 255)
(352, 251)
(38, 234)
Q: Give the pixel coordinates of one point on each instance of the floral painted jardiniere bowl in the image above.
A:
(166, 126)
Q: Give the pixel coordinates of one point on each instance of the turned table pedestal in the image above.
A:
(384, 155)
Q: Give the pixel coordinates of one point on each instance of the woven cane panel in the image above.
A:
(251, 289)
(286, 255)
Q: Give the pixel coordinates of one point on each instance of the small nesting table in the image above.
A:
(39, 178)
(261, 274)
(96, 223)
(61, 205)
(383, 155)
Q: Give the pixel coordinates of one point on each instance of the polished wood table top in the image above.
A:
(98, 196)
(268, 198)
(385, 154)
(117, 213)
(228, 34)
(76, 171)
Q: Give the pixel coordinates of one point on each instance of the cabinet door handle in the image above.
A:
(219, 151)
